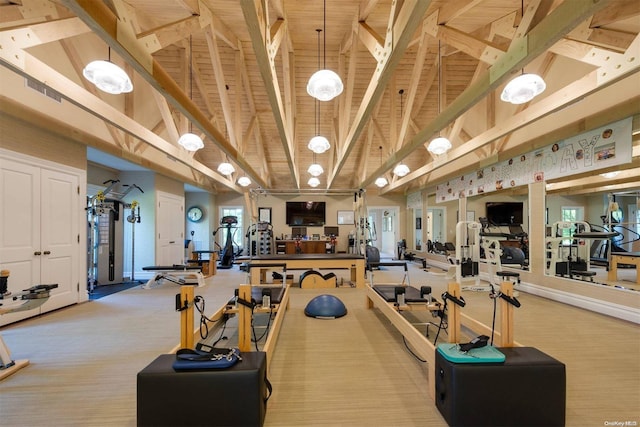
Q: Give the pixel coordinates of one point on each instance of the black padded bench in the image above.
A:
(583, 275)
(527, 389)
(227, 397)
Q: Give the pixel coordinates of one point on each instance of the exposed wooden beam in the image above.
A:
(558, 23)
(257, 26)
(399, 34)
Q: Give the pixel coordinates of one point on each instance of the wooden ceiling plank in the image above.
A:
(255, 23)
(617, 41)
(403, 30)
(558, 23)
(99, 18)
(365, 8)
(617, 11)
(453, 9)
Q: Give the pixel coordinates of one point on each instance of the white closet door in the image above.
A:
(19, 229)
(170, 229)
(60, 236)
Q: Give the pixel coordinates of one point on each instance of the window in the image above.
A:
(236, 229)
(571, 214)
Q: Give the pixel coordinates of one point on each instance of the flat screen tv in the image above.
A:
(306, 213)
(505, 213)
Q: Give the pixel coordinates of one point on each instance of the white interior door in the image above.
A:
(60, 237)
(170, 229)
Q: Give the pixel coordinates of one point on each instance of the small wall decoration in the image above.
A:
(418, 223)
(346, 218)
(264, 215)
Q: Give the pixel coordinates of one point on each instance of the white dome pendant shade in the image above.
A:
(381, 181)
(439, 146)
(244, 181)
(401, 170)
(313, 182)
(190, 142)
(523, 89)
(318, 144)
(226, 168)
(324, 85)
(315, 170)
(108, 77)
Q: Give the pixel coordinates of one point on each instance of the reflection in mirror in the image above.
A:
(588, 233)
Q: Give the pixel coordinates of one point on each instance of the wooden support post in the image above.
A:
(186, 316)
(244, 318)
(213, 264)
(506, 315)
(454, 313)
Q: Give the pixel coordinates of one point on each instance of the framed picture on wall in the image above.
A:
(264, 215)
(346, 218)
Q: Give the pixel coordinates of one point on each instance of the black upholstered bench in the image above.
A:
(527, 389)
(229, 397)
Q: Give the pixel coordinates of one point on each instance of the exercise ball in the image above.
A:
(325, 307)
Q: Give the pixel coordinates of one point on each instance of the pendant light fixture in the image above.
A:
(190, 141)
(318, 144)
(526, 86)
(244, 181)
(226, 168)
(402, 169)
(315, 169)
(381, 181)
(107, 76)
(324, 84)
(439, 145)
(313, 182)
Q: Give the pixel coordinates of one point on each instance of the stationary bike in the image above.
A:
(228, 254)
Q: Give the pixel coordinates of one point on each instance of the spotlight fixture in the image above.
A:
(244, 181)
(313, 182)
(190, 141)
(523, 89)
(107, 76)
(226, 168)
(439, 145)
(381, 181)
(315, 170)
(324, 85)
(401, 170)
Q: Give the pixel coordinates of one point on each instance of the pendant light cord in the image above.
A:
(191, 77)
(324, 26)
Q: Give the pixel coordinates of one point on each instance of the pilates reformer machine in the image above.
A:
(243, 389)
(390, 303)
(178, 274)
(28, 299)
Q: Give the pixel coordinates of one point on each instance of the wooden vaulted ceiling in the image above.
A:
(236, 73)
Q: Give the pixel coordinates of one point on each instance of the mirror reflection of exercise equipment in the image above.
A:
(105, 212)
(228, 253)
(467, 254)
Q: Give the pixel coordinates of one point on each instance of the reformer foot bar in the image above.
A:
(178, 274)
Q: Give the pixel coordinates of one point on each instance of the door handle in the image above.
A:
(172, 242)
(47, 252)
(37, 253)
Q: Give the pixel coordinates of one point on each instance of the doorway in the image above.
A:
(384, 224)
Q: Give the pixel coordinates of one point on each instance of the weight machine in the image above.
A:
(467, 252)
(365, 233)
(106, 234)
(228, 254)
(262, 244)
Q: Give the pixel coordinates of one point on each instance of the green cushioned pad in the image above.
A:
(487, 354)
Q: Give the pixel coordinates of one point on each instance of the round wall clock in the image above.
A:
(194, 214)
